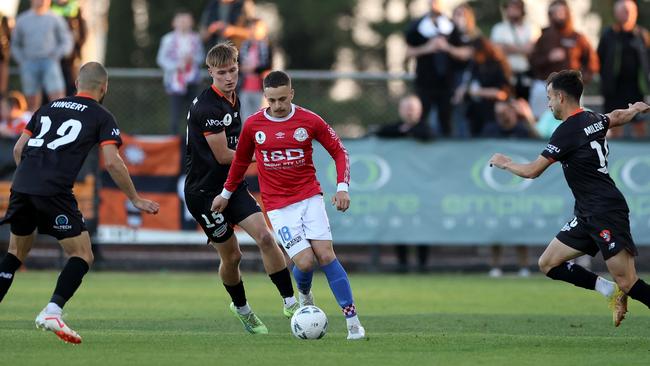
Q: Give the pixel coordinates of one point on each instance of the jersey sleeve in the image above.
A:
(562, 142)
(325, 135)
(109, 133)
(31, 126)
(605, 119)
(242, 159)
(213, 120)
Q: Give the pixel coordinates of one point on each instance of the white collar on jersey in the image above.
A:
(283, 119)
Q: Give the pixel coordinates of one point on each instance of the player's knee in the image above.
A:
(326, 257)
(304, 262)
(266, 240)
(544, 264)
(232, 258)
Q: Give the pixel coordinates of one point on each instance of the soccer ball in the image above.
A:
(309, 322)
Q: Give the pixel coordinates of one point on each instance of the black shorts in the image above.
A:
(219, 226)
(608, 233)
(57, 216)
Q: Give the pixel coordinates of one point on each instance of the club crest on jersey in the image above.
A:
(606, 235)
(300, 134)
(61, 223)
(260, 137)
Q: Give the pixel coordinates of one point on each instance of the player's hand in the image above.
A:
(341, 200)
(219, 204)
(499, 160)
(145, 205)
(640, 107)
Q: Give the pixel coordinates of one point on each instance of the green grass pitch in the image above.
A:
(182, 319)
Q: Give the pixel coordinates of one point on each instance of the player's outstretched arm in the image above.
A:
(117, 169)
(620, 117)
(526, 170)
(20, 146)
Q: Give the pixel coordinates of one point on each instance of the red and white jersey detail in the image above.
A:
(283, 150)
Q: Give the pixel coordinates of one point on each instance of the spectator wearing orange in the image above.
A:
(560, 47)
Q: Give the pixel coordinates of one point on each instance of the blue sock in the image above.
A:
(340, 286)
(303, 279)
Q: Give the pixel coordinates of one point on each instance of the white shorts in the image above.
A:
(300, 222)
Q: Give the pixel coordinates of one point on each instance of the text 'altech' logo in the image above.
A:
(371, 172)
(61, 223)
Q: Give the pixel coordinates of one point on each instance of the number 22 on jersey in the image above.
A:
(67, 132)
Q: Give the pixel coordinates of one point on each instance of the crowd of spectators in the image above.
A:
(464, 79)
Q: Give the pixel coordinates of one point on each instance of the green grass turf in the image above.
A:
(182, 319)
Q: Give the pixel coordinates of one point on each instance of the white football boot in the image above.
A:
(55, 324)
(356, 331)
(305, 299)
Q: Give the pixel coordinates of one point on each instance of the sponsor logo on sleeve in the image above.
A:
(552, 149)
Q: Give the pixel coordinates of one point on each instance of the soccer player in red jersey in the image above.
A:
(281, 138)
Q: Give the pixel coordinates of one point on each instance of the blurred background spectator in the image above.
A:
(461, 49)
(410, 113)
(624, 52)
(70, 10)
(488, 82)
(516, 37)
(559, 47)
(513, 119)
(5, 53)
(225, 20)
(433, 74)
(181, 56)
(255, 58)
(14, 115)
(39, 41)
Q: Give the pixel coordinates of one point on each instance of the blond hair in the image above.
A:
(222, 54)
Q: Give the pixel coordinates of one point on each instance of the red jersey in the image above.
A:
(283, 150)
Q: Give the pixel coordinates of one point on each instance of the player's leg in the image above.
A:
(20, 215)
(339, 283)
(80, 258)
(230, 255)
(220, 235)
(572, 241)
(303, 273)
(273, 259)
(621, 266)
(19, 247)
(287, 223)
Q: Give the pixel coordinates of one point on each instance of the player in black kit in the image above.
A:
(49, 155)
(213, 129)
(601, 220)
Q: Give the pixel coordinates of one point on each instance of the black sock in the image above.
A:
(69, 280)
(282, 281)
(573, 273)
(237, 293)
(640, 291)
(8, 267)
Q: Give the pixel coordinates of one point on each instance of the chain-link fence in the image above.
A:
(351, 102)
